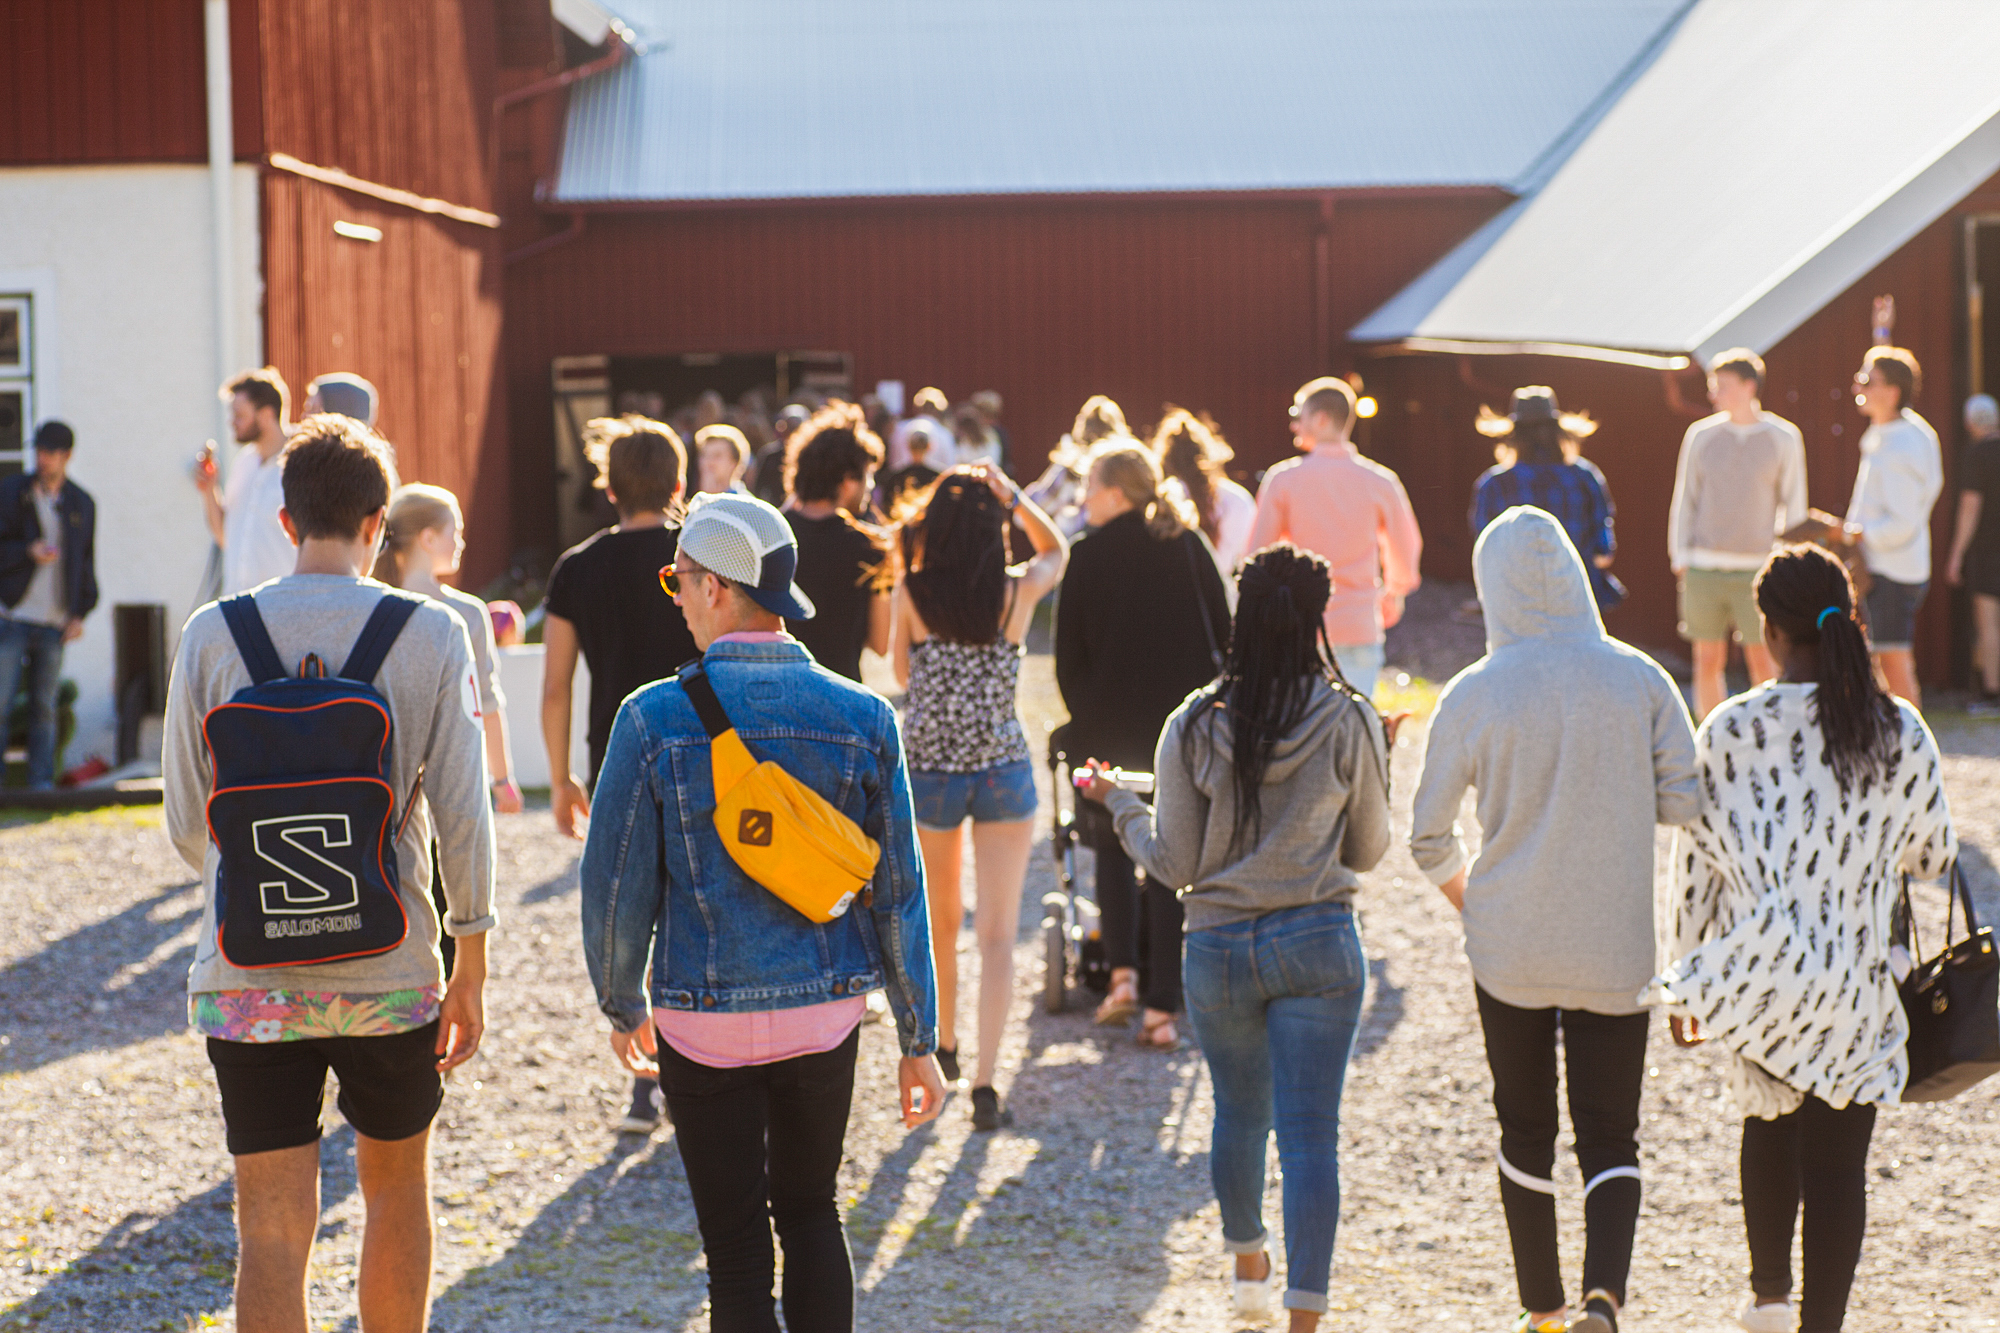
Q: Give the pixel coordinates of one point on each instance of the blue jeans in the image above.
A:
(1275, 1003)
(39, 650)
(1361, 663)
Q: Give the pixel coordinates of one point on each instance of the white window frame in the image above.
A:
(20, 377)
(42, 373)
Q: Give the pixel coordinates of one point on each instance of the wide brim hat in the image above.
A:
(1533, 402)
(746, 541)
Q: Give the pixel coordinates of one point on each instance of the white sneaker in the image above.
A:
(1756, 1318)
(1253, 1295)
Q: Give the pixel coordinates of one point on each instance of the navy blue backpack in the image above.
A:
(302, 816)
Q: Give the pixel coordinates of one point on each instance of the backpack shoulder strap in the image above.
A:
(378, 636)
(253, 640)
(706, 706)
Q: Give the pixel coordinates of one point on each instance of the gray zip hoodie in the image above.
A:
(1324, 807)
(1578, 745)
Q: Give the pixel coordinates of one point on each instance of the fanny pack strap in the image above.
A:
(706, 706)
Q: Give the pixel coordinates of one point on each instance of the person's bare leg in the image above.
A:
(395, 1285)
(1711, 657)
(277, 1215)
(1000, 867)
(1304, 1321)
(1899, 675)
(943, 858)
(1758, 658)
(1986, 640)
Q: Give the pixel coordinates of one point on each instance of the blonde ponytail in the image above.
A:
(1127, 466)
(413, 510)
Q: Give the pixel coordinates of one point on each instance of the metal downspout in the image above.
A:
(221, 155)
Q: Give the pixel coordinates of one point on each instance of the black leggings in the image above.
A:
(1120, 900)
(761, 1146)
(1605, 1056)
(1835, 1195)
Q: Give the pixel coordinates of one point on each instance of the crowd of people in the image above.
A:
(767, 841)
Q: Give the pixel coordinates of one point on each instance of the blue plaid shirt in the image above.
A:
(1574, 493)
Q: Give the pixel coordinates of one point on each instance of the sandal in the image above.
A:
(1119, 1004)
(1149, 1033)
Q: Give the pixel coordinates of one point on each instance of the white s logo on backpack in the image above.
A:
(310, 882)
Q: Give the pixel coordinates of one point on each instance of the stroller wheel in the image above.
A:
(1055, 964)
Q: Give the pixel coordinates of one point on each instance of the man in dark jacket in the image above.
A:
(48, 584)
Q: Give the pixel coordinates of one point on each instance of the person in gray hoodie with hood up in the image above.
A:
(1273, 800)
(1577, 745)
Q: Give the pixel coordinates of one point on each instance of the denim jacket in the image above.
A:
(656, 878)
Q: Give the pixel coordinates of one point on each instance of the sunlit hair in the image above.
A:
(1545, 441)
(413, 510)
(724, 434)
(1899, 367)
(1859, 724)
(640, 461)
(264, 387)
(1277, 648)
(953, 540)
(1128, 467)
(1099, 418)
(1329, 394)
(335, 473)
(833, 445)
(1192, 452)
(1740, 362)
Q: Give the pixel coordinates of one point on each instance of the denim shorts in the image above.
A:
(1001, 795)
(1890, 610)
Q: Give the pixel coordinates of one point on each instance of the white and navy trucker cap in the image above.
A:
(749, 543)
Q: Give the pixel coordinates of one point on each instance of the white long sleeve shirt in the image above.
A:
(1901, 477)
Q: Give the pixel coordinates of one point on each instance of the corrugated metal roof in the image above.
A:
(783, 99)
(1772, 154)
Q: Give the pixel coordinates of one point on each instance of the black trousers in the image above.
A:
(761, 1146)
(1834, 1191)
(1122, 901)
(1605, 1059)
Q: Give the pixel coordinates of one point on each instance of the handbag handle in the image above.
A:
(1208, 630)
(1959, 894)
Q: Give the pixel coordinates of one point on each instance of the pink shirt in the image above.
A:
(731, 1041)
(1353, 512)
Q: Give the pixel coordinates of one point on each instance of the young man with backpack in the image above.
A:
(770, 883)
(321, 732)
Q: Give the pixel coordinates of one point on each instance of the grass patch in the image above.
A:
(1400, 692)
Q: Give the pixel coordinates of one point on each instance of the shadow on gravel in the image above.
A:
(557, 887)
(575, 1266)
(149, 1272)
(118, 982)
(1384, 1011)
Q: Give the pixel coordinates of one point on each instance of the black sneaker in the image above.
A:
(644, 1117)
(1599, 1315)
(987, 1113)
(948, 1062)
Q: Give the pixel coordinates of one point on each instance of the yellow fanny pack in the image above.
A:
(779, 831)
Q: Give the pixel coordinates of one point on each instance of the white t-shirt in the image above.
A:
(255, 548)
(42, 603)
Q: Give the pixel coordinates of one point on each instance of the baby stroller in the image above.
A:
(1072, 943)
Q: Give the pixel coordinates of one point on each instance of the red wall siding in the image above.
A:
(399, 92)
(99, 81)
(1209, 304)
(1425, 430)
(417, 313)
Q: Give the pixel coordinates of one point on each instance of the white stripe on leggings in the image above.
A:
(1615, 1173)
(1523, 1179)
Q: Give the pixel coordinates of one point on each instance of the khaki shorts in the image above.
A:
(1714, 600)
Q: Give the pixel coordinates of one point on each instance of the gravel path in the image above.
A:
(1094, 1213)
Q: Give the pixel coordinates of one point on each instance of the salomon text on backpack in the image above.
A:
(302, 815)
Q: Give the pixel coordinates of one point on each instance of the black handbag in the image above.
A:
(1952, 1003)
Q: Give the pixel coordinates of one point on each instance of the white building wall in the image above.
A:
(120, 264)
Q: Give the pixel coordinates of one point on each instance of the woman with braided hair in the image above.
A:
(1819, 793)
(1272, 799)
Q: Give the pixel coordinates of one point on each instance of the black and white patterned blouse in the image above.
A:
(959, 716)
(1785, 889)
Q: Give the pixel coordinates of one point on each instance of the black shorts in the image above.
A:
(390, 1087)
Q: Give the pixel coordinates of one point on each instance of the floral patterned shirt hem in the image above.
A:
(262, 1016)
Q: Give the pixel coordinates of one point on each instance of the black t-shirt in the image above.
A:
(837, 568)
(912, 478)
(1981, 473)
(630, 631)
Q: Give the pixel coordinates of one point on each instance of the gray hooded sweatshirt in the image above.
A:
(1578, 745)
(1324, 810)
